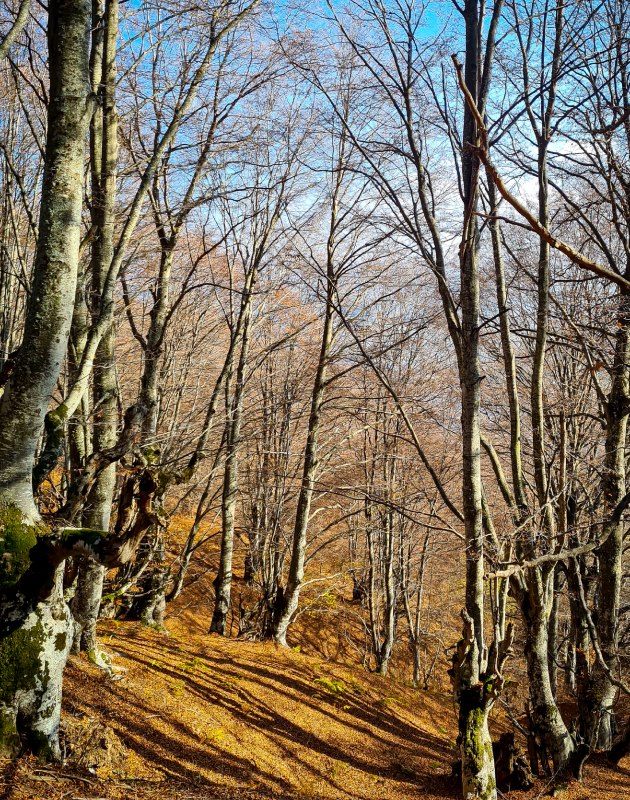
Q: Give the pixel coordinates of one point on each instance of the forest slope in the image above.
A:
(208, 717)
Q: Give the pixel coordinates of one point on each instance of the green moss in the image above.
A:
(473, 739)
(90, 536)
(490, 789)
(546, 712)
(332, 685)
(60, 642)
(163, 480)
(19, 662)
(477, 751)
(151, 454)
(9, 738)
(16, 541)
(57, 416)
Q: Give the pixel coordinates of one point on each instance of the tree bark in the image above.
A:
(600, 693)
(104, 132)
(32, 661)
(478, 779)
(291, 594)
(547, 718)
(223, 581)
(40, 357)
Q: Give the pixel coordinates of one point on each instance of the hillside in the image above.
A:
(207, 717)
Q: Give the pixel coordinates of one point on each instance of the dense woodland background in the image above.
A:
(314, 319)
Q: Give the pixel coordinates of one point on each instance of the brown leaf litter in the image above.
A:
(197, 716)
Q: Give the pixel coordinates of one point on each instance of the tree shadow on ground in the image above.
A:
(259, 698)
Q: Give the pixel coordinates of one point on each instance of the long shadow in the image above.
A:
(383, 719)
(153, 744)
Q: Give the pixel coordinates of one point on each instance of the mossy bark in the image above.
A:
(477, 682)
(478, 778)
(547, 718)
(32, 661)
(85, 607)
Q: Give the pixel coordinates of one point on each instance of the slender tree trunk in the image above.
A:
(223, 581)
(413, 619)
(291, 595)
(154, 344)
(474, 738)
(385, 653)
(79, 447)
(478, 779)
(509, 362)
(298, 552)
(537, 388)
(553, 645)
(85, 608)
(547, 718)
(537, 608)
(16, 28)
(104, 154)
(599, 723)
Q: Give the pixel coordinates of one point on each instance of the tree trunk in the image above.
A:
(471, 659)
(599, 725)
(85, 607)
(33, 655)
(547, 718)
(478, 778)
(385, 653)
(78, 441)
(553, 646)
(149, 608)
(223, 581)
(32, 661)
(295, 578)
(104, 132)
(38, 363)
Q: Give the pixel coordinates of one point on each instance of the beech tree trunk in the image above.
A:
(104, 151)
(597, 708)
(40, 357)
(302, 515)
(547, 718)
(32, 661)
(223, 581)
(478, 779)
(291, 593)
(33, 654)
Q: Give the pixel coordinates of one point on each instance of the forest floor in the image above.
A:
(198, 716)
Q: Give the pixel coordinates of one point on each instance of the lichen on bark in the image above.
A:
(32, 660)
